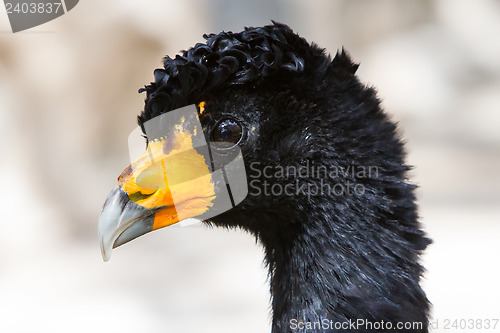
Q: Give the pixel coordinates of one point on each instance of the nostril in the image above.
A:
(139, 196)
(125, 173)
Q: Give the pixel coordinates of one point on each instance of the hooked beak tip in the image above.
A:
(106, 253)
(121, 221)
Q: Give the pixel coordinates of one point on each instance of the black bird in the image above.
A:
(328, 195)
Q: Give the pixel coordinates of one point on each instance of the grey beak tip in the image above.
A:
(106, 255)
(121, 221)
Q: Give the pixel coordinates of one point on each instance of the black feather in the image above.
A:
(334, 257)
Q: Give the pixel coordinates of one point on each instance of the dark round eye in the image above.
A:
(227, 133)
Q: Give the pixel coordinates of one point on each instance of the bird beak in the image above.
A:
(121, 221)
(170, 182)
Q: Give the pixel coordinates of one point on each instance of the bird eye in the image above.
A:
(227, 133)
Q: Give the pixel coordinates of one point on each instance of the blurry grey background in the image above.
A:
(68, 100)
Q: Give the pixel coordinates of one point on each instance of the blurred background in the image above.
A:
(68, 100)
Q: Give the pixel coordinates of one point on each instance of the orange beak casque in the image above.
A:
(169, 182)
(179, 176)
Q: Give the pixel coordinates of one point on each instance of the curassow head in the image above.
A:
(313, 141)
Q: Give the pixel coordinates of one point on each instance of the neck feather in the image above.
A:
(325, 271)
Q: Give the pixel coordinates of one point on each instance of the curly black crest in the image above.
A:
(231, 59)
